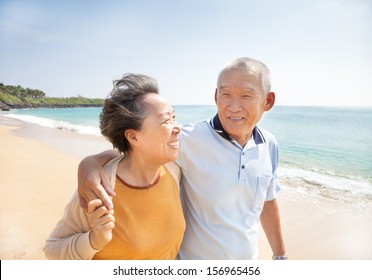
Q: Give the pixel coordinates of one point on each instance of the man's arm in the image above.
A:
(93, 182)
(270, 221)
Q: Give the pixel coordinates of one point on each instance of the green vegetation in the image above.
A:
(19, 97)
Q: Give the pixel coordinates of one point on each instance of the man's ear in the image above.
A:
(270, 101)
(131, 136)
(215, 96)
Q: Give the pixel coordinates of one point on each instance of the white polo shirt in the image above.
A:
(223, 189)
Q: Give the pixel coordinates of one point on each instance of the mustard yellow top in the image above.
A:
(149, 222)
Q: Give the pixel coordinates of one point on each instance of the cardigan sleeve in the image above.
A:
(175, 171)
(70, 238)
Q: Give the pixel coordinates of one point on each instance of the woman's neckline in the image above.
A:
(138, 187)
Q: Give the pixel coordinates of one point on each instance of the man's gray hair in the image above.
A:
(251, 66)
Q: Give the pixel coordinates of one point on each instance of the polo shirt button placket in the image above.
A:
(242, 159)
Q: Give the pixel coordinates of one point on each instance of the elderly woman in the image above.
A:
(148, 222)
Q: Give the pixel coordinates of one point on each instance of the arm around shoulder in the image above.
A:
(93, 182)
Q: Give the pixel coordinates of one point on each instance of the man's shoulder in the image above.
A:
(196, 132)
(197, 126)
(267, 135)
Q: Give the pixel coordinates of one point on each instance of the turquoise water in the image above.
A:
(334, 139)
(323, 151)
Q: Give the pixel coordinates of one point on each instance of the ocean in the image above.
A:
(324, 151)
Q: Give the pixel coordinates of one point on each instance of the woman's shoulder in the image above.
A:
(175, 171)
(111, 168)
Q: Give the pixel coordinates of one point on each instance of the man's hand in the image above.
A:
(102, 222)
(93, 182)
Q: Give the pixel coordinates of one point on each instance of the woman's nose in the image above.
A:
(177, 128)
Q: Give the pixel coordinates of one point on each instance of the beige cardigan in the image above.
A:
(70, 238)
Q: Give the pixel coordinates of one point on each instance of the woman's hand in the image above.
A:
(102, 222)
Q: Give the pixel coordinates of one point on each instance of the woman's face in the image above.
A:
(158, 137)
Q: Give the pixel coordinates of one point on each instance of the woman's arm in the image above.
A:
(70, 238)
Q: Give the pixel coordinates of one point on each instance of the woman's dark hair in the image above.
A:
(124, 108)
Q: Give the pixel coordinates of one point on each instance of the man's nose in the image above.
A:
(234, 105)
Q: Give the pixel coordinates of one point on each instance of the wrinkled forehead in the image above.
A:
(239, 79)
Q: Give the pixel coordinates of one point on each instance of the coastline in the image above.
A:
(38, 177)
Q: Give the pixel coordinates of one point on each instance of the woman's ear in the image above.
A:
(131, 136)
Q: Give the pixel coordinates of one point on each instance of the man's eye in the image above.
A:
(249, 96)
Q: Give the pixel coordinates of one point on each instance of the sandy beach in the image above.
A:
(38, 177)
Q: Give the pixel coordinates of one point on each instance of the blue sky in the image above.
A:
(319, 51)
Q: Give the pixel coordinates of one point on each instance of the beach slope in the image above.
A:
(38, 176)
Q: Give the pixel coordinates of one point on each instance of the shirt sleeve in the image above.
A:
(274, 186)
(273, 189)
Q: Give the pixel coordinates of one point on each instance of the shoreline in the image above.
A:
(38, 177)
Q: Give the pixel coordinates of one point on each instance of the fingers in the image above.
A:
(106, 223)
(94, 192)
(101, 193)
(90, 176)
(93, 205)
(99, 217)
(86, 195)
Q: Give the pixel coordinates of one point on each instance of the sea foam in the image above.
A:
(315, 183)
(50, 123)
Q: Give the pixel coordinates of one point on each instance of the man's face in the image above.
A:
(241, 102)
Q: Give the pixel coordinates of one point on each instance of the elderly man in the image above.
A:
(228, 164)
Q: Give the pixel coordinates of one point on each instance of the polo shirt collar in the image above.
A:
(217, 126)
